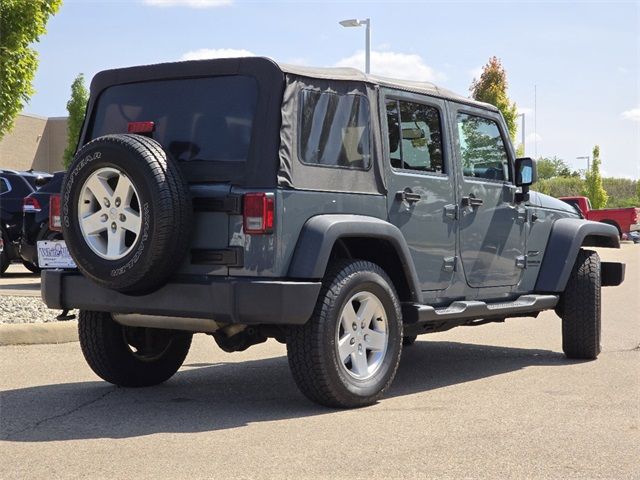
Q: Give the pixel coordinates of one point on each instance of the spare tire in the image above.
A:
(126, 213)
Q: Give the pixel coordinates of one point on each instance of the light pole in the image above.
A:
(353, 22)
(587, 158)
(523, 147)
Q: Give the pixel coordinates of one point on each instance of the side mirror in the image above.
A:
(525, 172)
(526, 175)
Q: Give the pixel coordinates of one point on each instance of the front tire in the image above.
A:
(579, 308)
(130, 356)
(347, 354)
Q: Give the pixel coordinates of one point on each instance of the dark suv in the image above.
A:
(338, 212)
(14, 187)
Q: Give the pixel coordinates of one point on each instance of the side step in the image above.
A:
(471, 310)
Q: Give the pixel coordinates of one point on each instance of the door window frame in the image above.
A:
(433, 102)
(508, 147)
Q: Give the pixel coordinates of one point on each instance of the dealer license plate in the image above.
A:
(54, 254)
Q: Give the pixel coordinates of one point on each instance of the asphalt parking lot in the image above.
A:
(496, 401)
(19, 281)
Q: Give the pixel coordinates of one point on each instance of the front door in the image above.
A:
(492, 226)
(421, 197)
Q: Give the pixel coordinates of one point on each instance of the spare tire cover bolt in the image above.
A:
(113, 226)
(107, 203)
(118, 202)
(122, 217)
(104, 217)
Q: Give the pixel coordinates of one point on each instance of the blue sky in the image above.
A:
(582, 57)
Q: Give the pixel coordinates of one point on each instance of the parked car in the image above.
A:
(36, 224)
(634, 236)
(14, 186)
(340, 213)
(624, 219)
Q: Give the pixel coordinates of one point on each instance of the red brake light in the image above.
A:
(30, 204)
(258, 213)
(141, 127)
(55, 222)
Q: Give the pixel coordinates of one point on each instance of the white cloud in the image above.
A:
(188, 3)
(633, 114)
(204, 53)
(476, 73)
(393, 64)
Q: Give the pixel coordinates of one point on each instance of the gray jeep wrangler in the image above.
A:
(340, 213)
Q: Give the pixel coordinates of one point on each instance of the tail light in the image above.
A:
(30, 204)
(55, 223)
(258, 213)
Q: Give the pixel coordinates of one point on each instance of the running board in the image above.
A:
(471, 310)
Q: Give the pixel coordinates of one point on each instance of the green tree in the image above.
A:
(76, 107)
(22, 22)
(491, 88)
(593, 183)
(553, 167)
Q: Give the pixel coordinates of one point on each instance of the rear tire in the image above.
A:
(31, 267)
(4, 256)
(347, 354)
(579, 308)
(130, 356)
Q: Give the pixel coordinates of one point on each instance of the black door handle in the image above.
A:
(408, 196)
(471, 201)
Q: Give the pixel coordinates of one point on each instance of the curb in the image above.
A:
(38, 333)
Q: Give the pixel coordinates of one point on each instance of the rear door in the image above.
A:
(492, 226)
(421, 197)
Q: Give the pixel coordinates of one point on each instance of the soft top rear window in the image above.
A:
(196, 119)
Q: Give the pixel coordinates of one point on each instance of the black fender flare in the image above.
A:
(567, 236)
(320, 233)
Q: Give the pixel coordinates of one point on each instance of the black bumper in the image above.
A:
(228, 300)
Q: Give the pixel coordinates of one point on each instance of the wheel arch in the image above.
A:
(613, 223)
(567, 236)
(355, 236)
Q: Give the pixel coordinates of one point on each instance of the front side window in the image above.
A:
(482, 149)
(415, 136)
(334, 130)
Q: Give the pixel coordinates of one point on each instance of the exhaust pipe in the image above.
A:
(196, 325)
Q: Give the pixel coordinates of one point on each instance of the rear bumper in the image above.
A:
(228, 300)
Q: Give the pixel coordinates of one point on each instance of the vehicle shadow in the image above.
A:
(209, 397)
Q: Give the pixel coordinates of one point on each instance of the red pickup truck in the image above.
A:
(624, 219)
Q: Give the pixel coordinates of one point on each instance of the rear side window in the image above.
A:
(4, 185)
(195, 119)
(415, 136)
(334, 130)
(482, 149)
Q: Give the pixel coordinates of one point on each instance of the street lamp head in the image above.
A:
(352, 22)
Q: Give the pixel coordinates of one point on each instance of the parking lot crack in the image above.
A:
(60, 415)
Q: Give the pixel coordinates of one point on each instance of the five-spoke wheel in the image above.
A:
(347, 354)
(109, 213)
